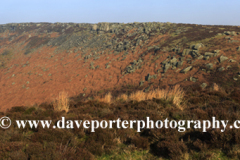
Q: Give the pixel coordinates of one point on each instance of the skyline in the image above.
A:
(186, 11)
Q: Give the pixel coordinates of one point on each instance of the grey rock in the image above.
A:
(228, 67)
(189, 59)
(154, 76)
(95, 58)
(133, 66)
(228, 37)
(209, 54)
(159, 70)
(186, 52)
(165, 61)
(151, 47)
(173, 60)
(166, 67)
(177, 50)
(232, 33)
(104, 26)
(216, 53)
(200, 57)
(219, 34)
(181, 58)
(197, 46)
(94, 27)
(193, 79)
(174, 64)
(185, 70)
(221, 69)
(203, 85)
(233, 41)
(209, 66)
(232, 60)
(238, 49)
(147, 89)
(195, 53)
(206, 57)
(123, 58)
(179, 63)
(141, 83)
(227, 32)
(222, 58)
(148, 77)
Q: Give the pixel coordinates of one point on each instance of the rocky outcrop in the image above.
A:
(133, 66)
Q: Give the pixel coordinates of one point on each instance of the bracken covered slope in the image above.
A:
(37, 61)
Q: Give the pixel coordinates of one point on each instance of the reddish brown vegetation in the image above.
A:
(69, 74)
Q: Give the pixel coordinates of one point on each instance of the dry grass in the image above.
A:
(185, 156)
(175, 94)
(137, 96)
(61, 102)
(107, 98)
(122, 97)
(215, 87)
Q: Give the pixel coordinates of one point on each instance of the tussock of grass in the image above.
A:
(62, 102)
(215, 87)
(137, 96)
(107, 98)
(122, 97)
(175, 94)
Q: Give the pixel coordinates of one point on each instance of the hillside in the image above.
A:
(86, 60)
(131, 71)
